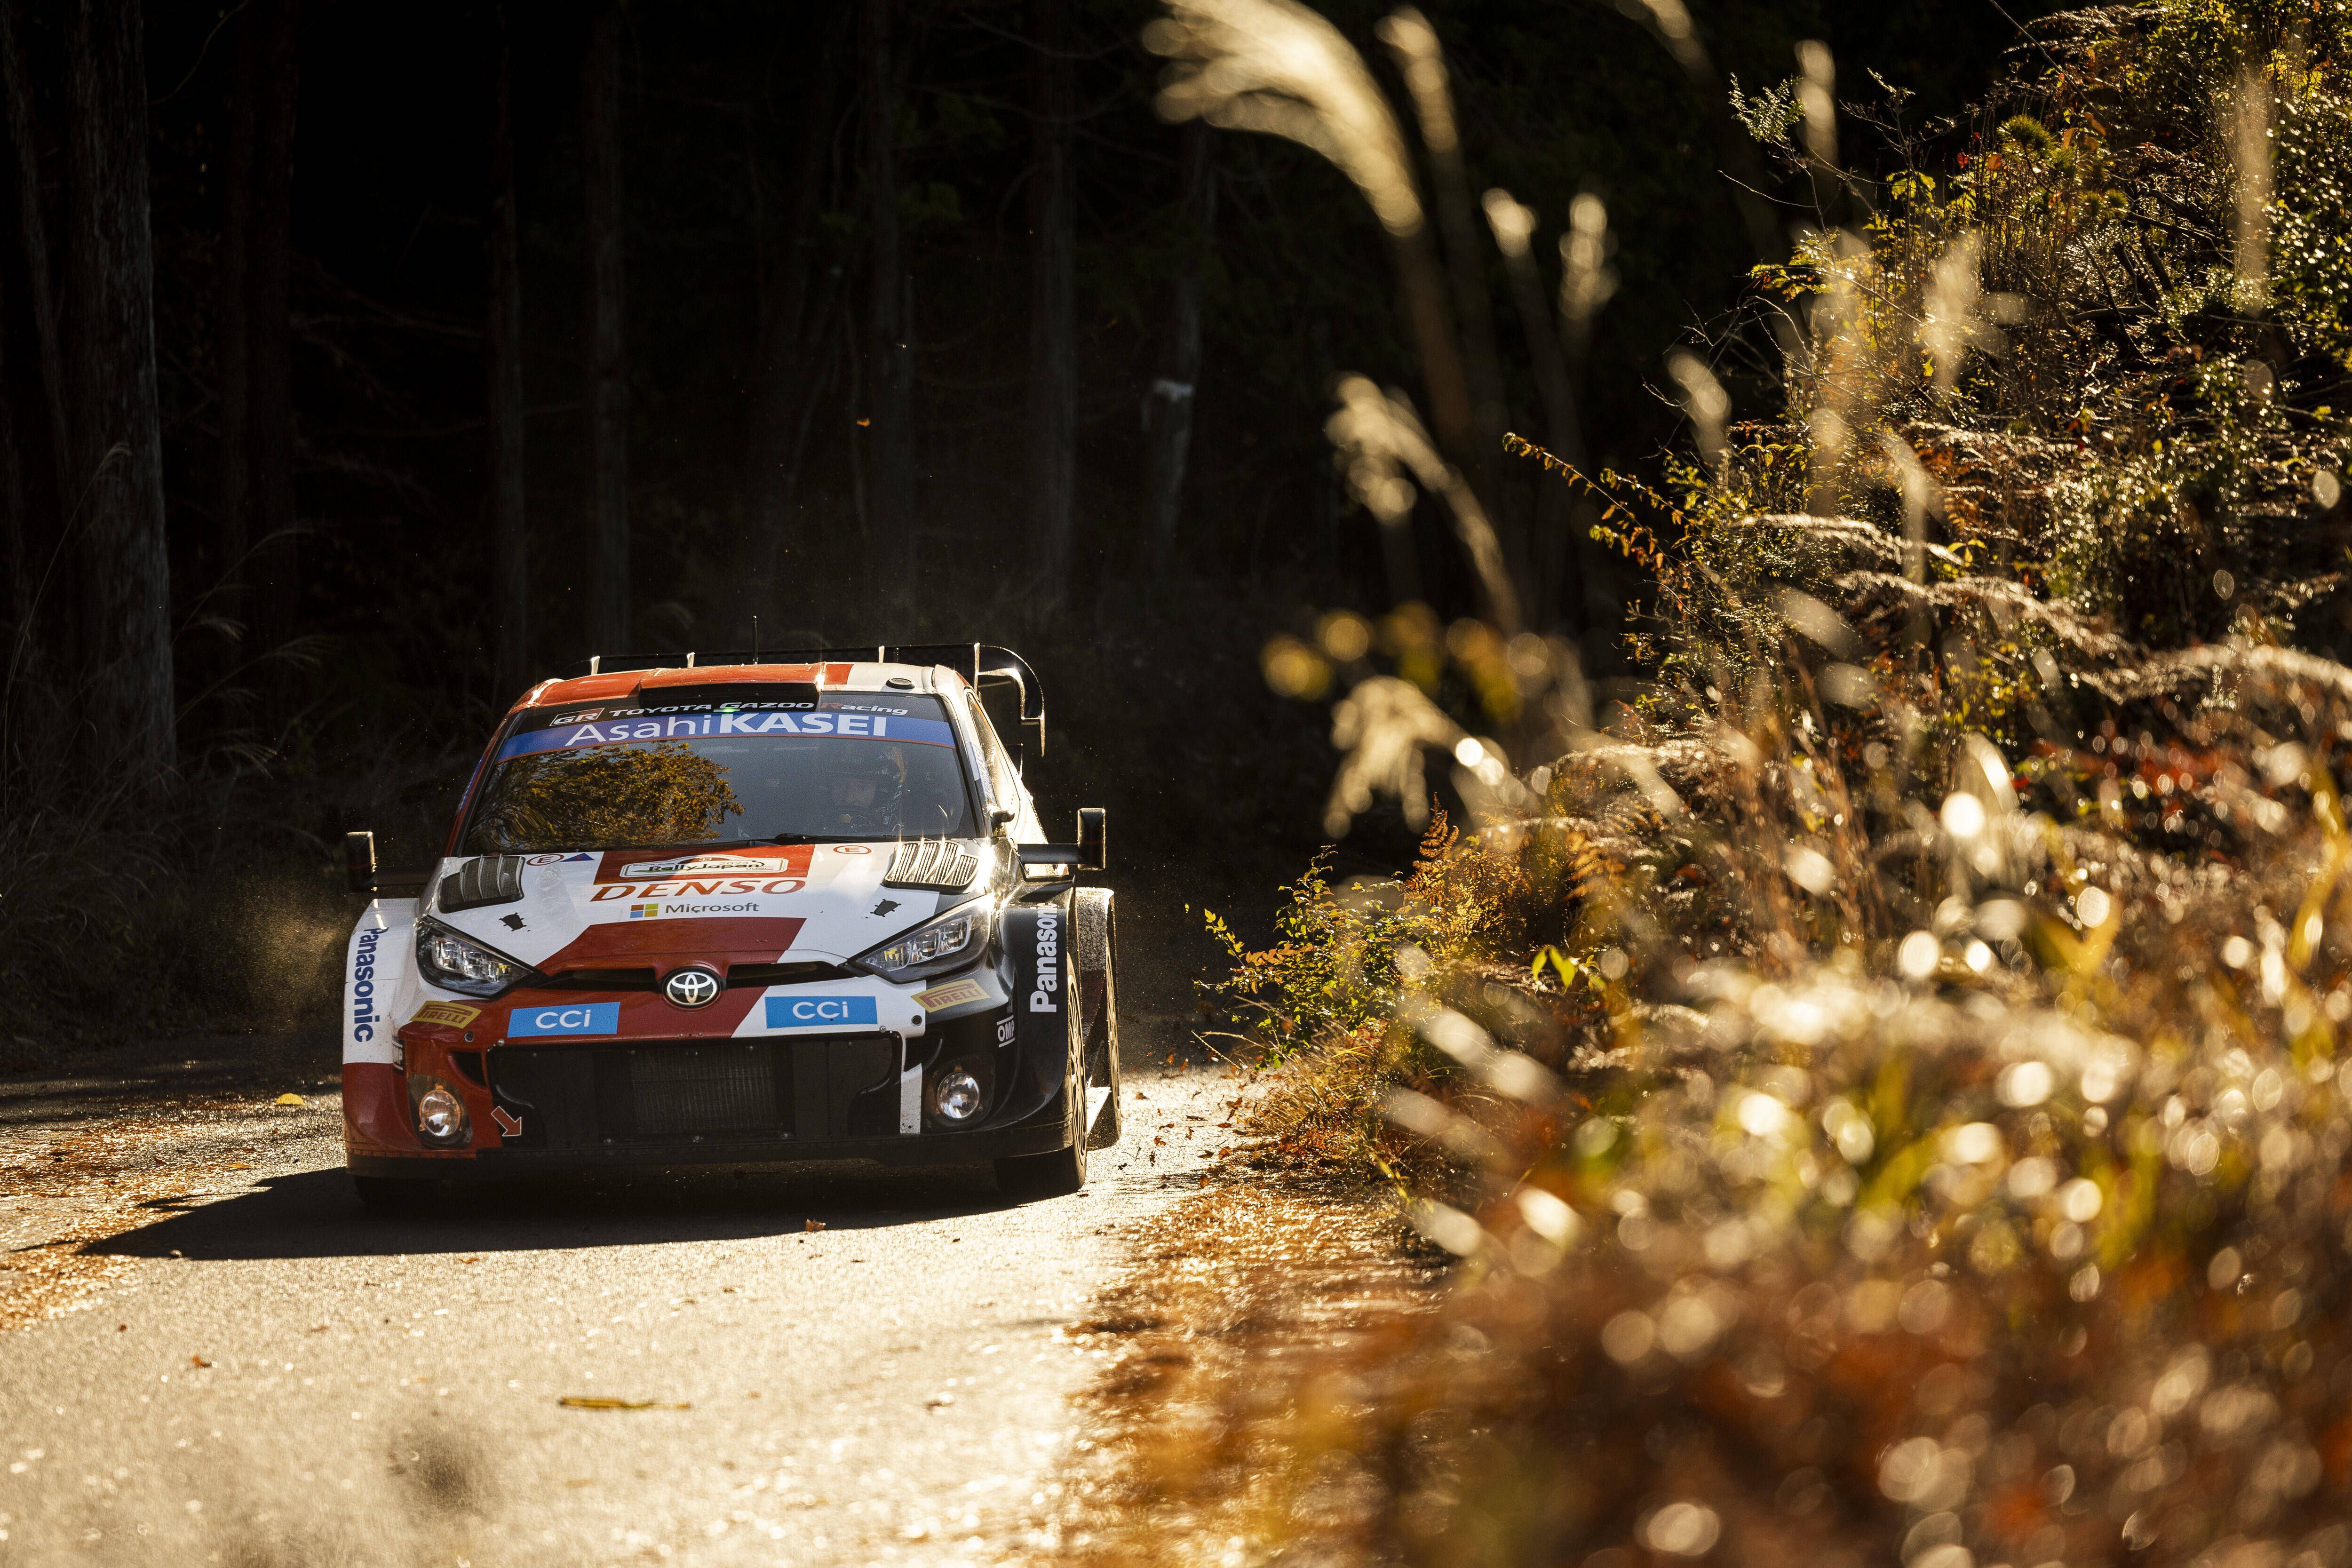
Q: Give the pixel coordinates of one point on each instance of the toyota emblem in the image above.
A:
(691, 988)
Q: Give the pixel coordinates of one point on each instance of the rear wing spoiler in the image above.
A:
(983, 663)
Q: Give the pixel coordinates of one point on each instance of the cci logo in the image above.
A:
(820, 1012)
(585, 1018)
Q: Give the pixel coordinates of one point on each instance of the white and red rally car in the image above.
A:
(734, 910)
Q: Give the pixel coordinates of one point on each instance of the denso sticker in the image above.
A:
(705, 887)
(449, 1015)
(954, 993)
(820, 1012)
(580, 1018)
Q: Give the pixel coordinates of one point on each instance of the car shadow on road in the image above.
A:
(314, 1213)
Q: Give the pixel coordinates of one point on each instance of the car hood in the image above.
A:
(760, 904)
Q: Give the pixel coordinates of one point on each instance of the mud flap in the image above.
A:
(1096, 987)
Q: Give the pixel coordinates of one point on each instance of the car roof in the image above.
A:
(830, 677)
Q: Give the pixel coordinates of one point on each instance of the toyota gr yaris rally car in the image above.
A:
(702, 911)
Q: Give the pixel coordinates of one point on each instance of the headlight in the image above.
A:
(454, 964)
(956, 1097)
(441, 1116)
(949, 942)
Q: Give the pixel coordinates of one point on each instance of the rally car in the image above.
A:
(738, 910)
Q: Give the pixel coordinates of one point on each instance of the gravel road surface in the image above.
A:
(209, 1353)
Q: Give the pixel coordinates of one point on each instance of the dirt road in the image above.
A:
(215, 1356)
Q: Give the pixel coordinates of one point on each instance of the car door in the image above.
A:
(1003, 779)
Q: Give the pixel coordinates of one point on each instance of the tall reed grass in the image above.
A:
(1883, 1084)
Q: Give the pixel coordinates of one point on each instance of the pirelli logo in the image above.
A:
(1044, 995)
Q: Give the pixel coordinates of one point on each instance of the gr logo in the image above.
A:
(820, 1012)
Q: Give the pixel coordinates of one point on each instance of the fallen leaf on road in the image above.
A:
(239, 1165)
(814, 1225)
(289, 1099)
(316, 1329)
(198, 1361)
(469, 1260)
(936, 1400)
(597, 1402)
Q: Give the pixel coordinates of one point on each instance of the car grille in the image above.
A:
(731, 1091)
(690, 1091)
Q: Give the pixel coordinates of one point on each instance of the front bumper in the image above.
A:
(685, 1103)
(926, 1149)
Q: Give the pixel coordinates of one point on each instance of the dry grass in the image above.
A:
(1178, 1461)
(1885, 1089)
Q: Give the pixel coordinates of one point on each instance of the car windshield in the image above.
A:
(792, 768)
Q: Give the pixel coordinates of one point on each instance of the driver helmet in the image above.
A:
(862, 788)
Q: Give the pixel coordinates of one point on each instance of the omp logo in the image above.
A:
(364, 1014)
(819, 1012)
(581, 1018)
(1049, 963)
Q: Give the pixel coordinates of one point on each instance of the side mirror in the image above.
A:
(1093, 828)
(362, 876)
(999, 815)
(359, 862)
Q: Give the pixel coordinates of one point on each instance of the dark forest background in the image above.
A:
(360, 365)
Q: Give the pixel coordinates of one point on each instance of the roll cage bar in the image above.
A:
(983, 663)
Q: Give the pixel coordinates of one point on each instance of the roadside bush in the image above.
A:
(1883, 1092)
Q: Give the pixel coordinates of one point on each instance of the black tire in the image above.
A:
(1097, 990)
(1027, 1177)
(389, 1194)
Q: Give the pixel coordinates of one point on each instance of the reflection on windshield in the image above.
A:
(605, 798)
(696, 791)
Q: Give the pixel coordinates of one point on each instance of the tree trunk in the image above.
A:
(1052, 324)
(18, 604)
(791, 332)
(269, 365)
(31, 232)
(890, 362)
(608, 386)
(503, 338)
(110, 388)
(1169, 409)
(233, 524)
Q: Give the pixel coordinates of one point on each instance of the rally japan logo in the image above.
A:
(691, 988)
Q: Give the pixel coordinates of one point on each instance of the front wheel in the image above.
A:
(1024, 1177)
(1098, 995)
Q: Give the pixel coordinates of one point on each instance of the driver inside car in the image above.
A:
(865, 799)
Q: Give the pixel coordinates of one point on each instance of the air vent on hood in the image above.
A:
(931, 863)
(489, 879)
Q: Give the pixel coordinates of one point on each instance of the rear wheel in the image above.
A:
(395, 1194)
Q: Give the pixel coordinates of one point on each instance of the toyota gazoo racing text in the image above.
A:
(718, 909)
